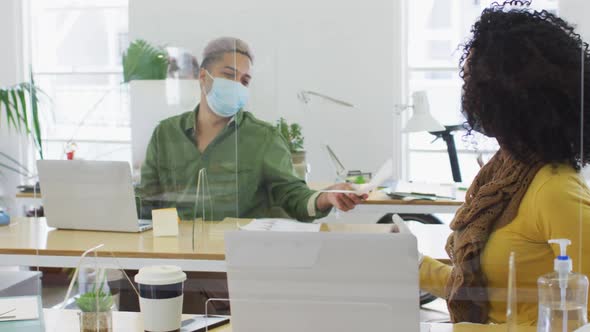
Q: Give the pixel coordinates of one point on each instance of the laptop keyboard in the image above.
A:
(145, 222)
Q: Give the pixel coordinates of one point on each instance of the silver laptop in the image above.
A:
(287, 282)
(89, 195)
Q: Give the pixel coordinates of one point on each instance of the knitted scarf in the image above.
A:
(491, 202)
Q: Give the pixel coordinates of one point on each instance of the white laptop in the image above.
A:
(89, 195)
(288, 282)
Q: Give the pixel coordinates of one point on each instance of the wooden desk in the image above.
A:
(67, 321)
(30, 242)
(379, 202)
(24, 201)
(29, 195)
(57, 320)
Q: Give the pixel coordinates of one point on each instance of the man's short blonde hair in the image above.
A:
(217, 47)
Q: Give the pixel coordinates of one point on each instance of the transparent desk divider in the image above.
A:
(344, 75)
(96, 288)
(194, 169)
(321, 281)
(512, 297)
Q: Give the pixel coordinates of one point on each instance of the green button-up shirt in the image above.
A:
(248, 171)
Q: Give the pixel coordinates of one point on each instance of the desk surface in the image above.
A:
(30, 236)
(380, 198)
(28, 195)
(67, 321)
(375, 198)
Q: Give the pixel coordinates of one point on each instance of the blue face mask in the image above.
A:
(226, 97)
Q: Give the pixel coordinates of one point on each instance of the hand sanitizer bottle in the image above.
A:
(563, 295)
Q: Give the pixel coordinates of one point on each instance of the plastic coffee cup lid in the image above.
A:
(160, 275)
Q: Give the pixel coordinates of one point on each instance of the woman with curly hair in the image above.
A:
(525, 74)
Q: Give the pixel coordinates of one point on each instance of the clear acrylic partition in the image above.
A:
(338, 85)
(181, 164)
(95, 292)
(191, 160)
(512, 293)
(347, 74)
(299, 281)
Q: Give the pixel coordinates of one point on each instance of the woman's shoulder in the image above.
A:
(557, 182)
(556, 175)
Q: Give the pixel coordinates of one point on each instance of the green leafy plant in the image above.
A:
(360, 180)
(96, 300)
(292, 133)
(143, 61)
(87, 302)
(20, 104)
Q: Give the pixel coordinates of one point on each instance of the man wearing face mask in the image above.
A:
(248, 166)
(247, 162)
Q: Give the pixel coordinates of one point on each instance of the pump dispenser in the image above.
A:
(563, 295)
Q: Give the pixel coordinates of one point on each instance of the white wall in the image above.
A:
(348, 50)
(577, 12)
(11, 72)
(9, 69)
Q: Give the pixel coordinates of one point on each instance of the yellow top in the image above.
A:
(556, 205)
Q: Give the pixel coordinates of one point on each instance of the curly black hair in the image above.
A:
(523, 84)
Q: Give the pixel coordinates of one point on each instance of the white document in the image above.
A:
(165, 222)
(200, 323)
(280, 225)
(19, 308)
(384, 174)
(437, 190)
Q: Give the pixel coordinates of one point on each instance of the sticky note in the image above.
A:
(165, 222)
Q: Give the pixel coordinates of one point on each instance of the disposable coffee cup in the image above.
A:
(160, 297)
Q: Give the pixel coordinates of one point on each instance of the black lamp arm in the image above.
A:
(447, 136)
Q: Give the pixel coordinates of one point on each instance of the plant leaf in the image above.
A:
(8, 107)
(143, 61)
(14, 100)
(10, 168)
(23, 103)
(17, 115)
(1, 93)
(17, 163)
(35, 116)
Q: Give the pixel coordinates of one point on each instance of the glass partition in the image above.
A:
(156, 131)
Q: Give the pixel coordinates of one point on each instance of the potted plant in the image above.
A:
(293, 134)
(155, 92)
(19, 104)
(96, 314)
(143, 61)
(19, 113)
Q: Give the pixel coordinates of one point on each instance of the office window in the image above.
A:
(436, 30)
(76, 49)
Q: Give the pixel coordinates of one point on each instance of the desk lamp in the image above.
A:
(304, 96)
(422, 120)
(341, 172)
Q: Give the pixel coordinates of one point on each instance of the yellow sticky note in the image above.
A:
(165, 222)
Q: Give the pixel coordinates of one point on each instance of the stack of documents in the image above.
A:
(420, 191)
(19, 308)
(280, 225)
